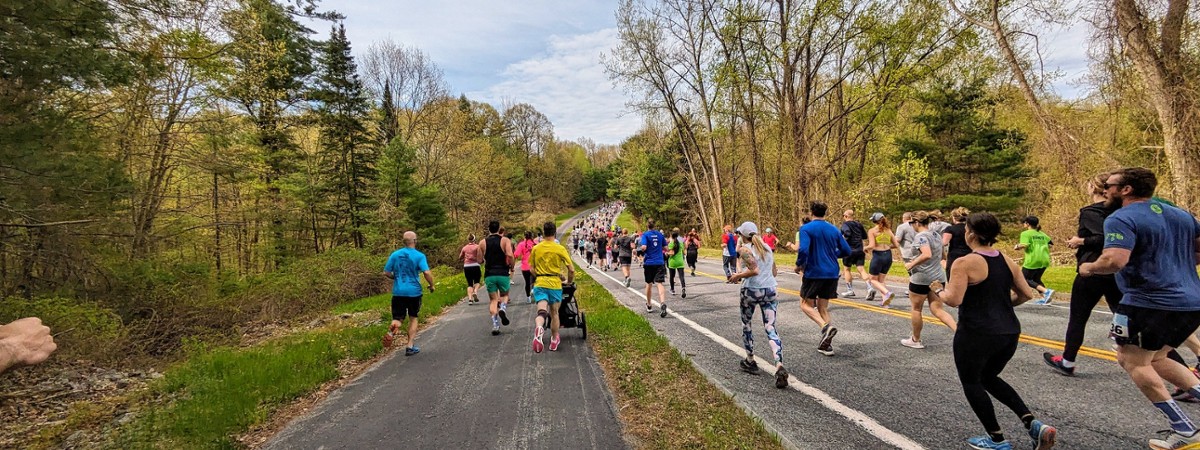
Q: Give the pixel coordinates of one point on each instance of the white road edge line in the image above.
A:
(858, 418)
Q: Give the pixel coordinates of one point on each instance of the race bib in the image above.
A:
(1120, 326)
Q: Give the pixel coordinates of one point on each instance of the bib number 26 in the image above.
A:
(1120, 326)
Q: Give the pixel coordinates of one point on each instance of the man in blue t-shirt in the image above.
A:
(654, 267)
(1153, 248)
(404, 267)
(821, 244)
(729, 255)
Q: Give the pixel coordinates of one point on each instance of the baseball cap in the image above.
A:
(876, 217)
(768, 229)
(747, 228)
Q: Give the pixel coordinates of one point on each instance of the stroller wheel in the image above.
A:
(583, 324)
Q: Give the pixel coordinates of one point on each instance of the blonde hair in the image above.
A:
(960, 214)
(760, 247)
(1096, 183)
(924, 217)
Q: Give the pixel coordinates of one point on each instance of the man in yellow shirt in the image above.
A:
(551, 264)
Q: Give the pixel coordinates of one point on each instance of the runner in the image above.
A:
(855, 234)
(937, 225)
(987, 338)
(954, 238)
(497, 255)
(469, 255)
(589, 249)
(758, 291)
(728, 251)
(404, 267)
(1153, 248)
(770, 238)
(552, 264)
(602, 250)
(654, 270)
(624, 245)
(881, 241)
(1086, 291)
(1037, 257)
(693, 249)
(923, 270)
(820, 246)
(905, 234)
(674, 251)
(522, 252)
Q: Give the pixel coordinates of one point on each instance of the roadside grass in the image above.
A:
(626, 222)
(219, 393)
(662, 400)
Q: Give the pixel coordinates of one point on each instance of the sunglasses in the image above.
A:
(1105, 186)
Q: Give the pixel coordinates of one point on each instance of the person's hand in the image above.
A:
(25, 342)
(936, 286)
(908, 266)
(431, 289)
(1074, 242)
(1085, 270)
(799, 270)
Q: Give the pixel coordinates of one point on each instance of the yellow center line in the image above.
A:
(1034, 340)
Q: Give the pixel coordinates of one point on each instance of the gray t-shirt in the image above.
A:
(622, 244)
(904, 238)
(931, 270)
(766, 263)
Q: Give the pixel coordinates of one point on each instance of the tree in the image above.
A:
(428, 218)
(342, 113)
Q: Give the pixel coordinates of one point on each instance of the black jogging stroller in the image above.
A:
(569, 315)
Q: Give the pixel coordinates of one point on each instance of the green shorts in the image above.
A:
(496, 283)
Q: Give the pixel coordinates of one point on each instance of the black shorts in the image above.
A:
(856, 258)
(474, 275)
(625, 260)
(919, 289)
(655, 274)
(1033, 276)
(1153, 329)
(881, 262)
(405, 307)
(601, 255)
(818, 288)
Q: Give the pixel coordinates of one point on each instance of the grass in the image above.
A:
(626, 221)
(220, 393)
(661, 398)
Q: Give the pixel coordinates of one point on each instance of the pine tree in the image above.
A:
(429, 220)
(389, 125)
(342, 113)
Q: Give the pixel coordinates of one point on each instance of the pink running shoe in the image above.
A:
(554, 341)
(537, 340)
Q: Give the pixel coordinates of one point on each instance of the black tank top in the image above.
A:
(494, 260)
(987, 305)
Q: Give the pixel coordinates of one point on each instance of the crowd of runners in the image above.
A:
(1137, 251)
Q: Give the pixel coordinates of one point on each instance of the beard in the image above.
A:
(1114, 201)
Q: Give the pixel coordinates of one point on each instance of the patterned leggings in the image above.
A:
(764, 299)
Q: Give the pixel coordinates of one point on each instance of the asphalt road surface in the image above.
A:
(468, 389)
(875, 393)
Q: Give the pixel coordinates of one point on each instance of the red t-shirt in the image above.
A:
(770, 240)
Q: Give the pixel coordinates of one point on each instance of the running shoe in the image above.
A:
(503, 317)
(826, 346)
(388, 339)
(1056, 361)
(664, 311)
(1183, 395)
(986, 443)
(1048, 296)
(1172, 440)
(673, 291)
(910, 343)
(1043, 435)
(749, 366)
(411, 351)
(684, 295)
(871, 295)
(554, 341)
(495, 331)
(537, 339)
(781, 378)
(649, 308)
(626, 281)
(848, 294)
(887, 300)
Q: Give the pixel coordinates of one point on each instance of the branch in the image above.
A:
(47, 224)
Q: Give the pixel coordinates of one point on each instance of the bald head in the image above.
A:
(848, 214)
(410, 239)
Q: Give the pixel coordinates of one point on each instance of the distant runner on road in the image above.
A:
(654, 265)
(469, 255)
(405, 267)
(551, 264)
(497, 254)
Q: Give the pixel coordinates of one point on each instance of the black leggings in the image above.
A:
(528, 282)
(691, 259)
(1085, 294)
(682, 283)
(979, 359)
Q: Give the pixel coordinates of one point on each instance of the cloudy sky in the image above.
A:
(547, 53)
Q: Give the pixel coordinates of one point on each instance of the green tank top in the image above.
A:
(883, 239)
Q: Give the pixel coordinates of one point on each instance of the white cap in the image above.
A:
(768, 229)
(747, 228)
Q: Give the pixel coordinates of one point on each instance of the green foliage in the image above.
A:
(596, 183)
(435, 232)
(966, 152)
(650, 182)
(82, 329)
(1003, 206)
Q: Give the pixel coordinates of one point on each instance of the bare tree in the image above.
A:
(412, 79)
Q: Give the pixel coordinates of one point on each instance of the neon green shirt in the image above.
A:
(1037, 249)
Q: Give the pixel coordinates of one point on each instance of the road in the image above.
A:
(874, 393)
(468, 389)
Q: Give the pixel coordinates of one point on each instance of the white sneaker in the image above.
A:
(847, 294)
(1171, 439)
(908, 342)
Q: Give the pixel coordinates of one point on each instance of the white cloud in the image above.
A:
(567, 83)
